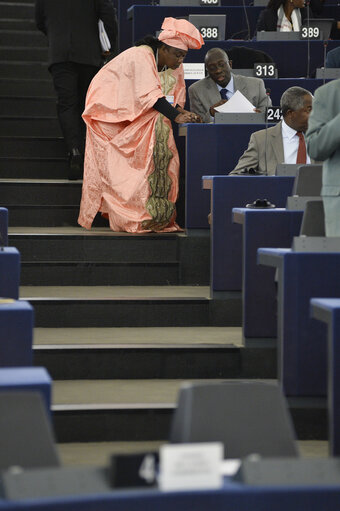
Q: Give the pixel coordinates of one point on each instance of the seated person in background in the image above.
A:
(333, 58)
(282, 16)
(283, 143)
(214, 90)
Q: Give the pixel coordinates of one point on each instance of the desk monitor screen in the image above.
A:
(324, 24)
(287, 169)
(211, 26)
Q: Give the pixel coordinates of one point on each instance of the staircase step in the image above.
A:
(157, 359)
(121, 410)
(24, 53)
(43, 192)
(99, 274)
(33, 126)
(91, 250)
(17, 10)
(54, 215)
(28, 107)
(22, 69)
(25, 38)
(122, 306)
(17, 24)
(34, 167)
(37, 147)
(26, 87)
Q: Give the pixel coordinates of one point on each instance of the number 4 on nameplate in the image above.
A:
(274, 114)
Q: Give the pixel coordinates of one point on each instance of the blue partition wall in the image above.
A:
(229, 192)
(211, 149)
(301, 339)
(262, 228)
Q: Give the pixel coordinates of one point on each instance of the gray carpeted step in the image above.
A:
(34, 167)
(123, 410)
(24, 69)
(31, 38)
(17, 10)
(17, 24)
(131, 307)
(38, 147)
(43, 192)
(99, 274)
(33, 126)
(28, 107)
(19, 53)
(26, 87)
(157, 360)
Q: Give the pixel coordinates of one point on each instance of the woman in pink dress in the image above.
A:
(131, 162)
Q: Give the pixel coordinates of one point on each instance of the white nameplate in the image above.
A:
(191, 466)
(194, 71)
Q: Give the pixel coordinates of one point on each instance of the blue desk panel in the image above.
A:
(9, 273)
(16, 333)
(262, 228)
(290, 56)
(230, 192)
(302, 340)
(148, 19)
(125, 23)
(211, 149)
(3, 227)
(234, 497)
(328, 311)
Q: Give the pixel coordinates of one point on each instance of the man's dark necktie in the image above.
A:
(302, 152)
(223, 93)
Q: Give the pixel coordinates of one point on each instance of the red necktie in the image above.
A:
(302, 153)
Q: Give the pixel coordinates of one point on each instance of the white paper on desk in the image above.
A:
(236, 104)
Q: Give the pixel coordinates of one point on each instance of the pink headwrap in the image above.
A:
(180, 34)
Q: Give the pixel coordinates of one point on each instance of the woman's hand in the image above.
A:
(185, 116)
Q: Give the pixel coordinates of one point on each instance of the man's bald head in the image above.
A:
(218, 67)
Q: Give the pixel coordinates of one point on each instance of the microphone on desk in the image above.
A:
(268, 91)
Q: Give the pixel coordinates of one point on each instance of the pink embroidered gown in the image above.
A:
(131, 162)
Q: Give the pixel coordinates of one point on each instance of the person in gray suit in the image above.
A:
(323, 142)
(220, 85)
(280, 143)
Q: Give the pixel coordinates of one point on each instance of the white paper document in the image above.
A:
(236, 104)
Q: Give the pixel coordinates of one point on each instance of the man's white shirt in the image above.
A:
(290, 140)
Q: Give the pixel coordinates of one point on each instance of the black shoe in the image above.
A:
(76, 164)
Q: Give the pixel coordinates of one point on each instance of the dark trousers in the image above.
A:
(71, 81)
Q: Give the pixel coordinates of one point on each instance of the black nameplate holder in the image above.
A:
(133, 470)
(311, 33)
(273, 114)
(265, 70)
(210, 3)
(210, 33)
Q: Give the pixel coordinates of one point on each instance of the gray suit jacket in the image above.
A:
(204, 93)
(323, 142)
(323, 135)
(262, 156)
(257, 156)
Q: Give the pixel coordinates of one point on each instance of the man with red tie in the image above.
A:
(283, 143)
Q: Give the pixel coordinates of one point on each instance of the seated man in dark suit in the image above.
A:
(221, 84)
(284, 142)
